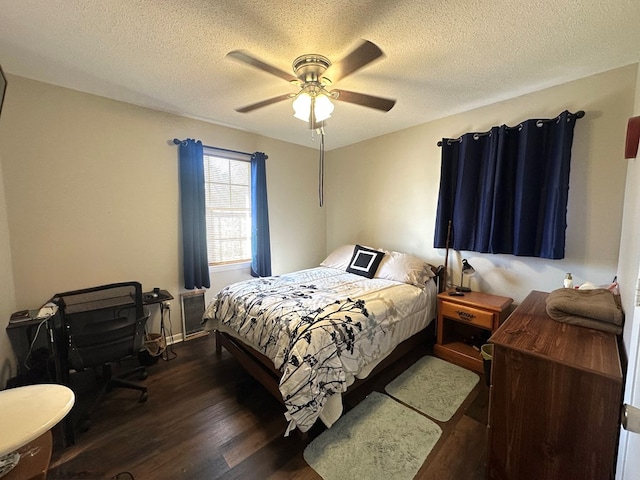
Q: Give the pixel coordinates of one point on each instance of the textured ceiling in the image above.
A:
(442, 56)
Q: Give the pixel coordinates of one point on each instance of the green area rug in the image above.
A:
(378, 439)
(434, 387)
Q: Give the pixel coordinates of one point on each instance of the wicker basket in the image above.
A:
(155, 344)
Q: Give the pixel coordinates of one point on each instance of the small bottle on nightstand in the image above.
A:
(568, 281)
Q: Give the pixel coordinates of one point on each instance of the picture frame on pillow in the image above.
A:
(365, 261)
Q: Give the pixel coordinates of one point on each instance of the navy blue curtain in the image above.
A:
(194, 229)
(260, 241)
(506, 190)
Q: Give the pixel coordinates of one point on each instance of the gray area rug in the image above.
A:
(434, 387)
(378, 439)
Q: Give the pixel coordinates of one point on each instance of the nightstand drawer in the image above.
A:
(474, 316)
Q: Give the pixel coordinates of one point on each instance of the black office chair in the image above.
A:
(101, 326)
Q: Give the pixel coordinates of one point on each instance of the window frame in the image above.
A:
(233, 156)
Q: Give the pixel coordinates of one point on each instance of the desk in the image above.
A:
(159, 297)
(54, 334)
(22, 334)
(26, 413)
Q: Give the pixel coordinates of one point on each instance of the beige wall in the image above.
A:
(91, 192)
(91, 195)
(383, 192)
(8, 300)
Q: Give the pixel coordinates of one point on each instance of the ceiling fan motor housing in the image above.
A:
(310, 67)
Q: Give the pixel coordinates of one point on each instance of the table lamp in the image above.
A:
(468, 270)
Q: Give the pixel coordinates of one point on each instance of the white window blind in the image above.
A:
(227, 177)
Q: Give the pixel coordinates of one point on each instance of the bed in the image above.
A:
(309, 335)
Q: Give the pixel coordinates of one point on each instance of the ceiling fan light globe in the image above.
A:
(323, 108)
(302, 116)
(302, 106)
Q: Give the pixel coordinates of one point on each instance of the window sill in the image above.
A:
(230, 267)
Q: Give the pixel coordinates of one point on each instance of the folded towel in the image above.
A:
(597, 308)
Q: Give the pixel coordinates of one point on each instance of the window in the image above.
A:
(227, 178)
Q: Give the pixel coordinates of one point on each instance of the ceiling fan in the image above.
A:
(314, 75)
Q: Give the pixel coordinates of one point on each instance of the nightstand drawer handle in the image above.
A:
(465, 315)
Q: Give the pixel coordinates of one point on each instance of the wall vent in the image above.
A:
(192, 310)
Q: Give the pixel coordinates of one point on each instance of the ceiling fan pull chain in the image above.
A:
(321, 168)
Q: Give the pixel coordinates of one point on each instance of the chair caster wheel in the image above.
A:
(143, 398)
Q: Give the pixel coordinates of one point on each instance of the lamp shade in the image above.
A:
(466, 267)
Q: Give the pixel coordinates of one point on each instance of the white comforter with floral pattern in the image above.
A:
(322, 327)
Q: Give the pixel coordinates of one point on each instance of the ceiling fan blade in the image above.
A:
(245, 57)
(362, 55)
(379, 103)
(264, 103)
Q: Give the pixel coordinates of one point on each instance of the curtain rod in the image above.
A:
(178, 142)
(578, 114)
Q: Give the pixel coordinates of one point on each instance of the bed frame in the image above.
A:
(261, 367)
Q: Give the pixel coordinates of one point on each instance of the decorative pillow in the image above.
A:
(365, 261)
(405, 268)
(339, 258)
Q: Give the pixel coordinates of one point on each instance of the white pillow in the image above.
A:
(339, 258)
(405, 268)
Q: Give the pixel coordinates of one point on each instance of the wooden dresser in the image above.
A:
(555, 397)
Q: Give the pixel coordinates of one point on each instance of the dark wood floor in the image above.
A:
(206, 419)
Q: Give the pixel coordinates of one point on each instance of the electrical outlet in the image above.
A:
(167, 305)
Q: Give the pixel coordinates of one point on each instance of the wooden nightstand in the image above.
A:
(465, 323)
